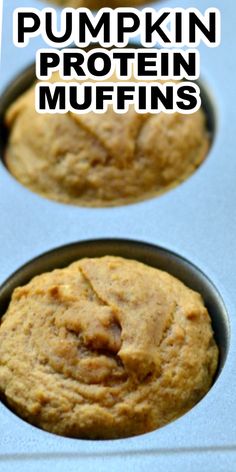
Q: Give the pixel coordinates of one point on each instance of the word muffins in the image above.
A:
(105, 348)
(105, 159)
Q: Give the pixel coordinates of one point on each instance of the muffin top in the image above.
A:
(105, 348)
(96, 4)
(102, 159)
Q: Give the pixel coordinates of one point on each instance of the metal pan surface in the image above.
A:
(195, 223)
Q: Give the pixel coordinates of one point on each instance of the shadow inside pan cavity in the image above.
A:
(148, 254)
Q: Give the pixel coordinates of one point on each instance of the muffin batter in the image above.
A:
(105, 348)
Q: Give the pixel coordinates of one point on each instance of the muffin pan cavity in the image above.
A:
(27, 77)
(151, 255)
(100, 171)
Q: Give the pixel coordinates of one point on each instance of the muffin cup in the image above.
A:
(27, 78)
(148, 254)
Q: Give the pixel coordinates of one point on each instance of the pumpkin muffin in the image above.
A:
(96, 4)
(105, 348)
(105, 159)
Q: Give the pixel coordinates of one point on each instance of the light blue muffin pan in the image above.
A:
(195, 224)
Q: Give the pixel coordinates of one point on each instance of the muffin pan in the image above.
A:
(195, 220)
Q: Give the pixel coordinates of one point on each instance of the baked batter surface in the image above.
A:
(105, 348)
